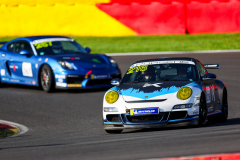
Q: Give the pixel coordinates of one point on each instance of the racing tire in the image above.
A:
(224, 114)
(114, 131)
(47, 79)
(202, 111)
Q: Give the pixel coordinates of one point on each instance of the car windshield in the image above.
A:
(160, 72)
(58, 47)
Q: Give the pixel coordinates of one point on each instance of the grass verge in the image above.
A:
(158, 43)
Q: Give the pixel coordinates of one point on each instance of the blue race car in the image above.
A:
(55, 62)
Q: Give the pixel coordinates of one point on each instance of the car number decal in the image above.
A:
(27, 69)
(138, 68)
(42, 45)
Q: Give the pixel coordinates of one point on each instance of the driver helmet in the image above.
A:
(57, 47)
(148, 75)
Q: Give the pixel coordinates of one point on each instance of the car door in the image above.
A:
(21, 68)
(210, 88)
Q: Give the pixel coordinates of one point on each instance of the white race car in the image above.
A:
(157, 92)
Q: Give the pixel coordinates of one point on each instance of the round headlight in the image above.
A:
(111, 96)
(184, 93)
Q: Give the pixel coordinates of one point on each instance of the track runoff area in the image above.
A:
(67, 124)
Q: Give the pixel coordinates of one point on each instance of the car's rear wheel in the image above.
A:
(224, 114)
(202, 111)
(113, 131)
(47, 79)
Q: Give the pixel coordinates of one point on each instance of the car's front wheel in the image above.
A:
(202, 111)
(47, 79)
(113, 131)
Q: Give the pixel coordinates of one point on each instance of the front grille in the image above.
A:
(93, 82)
(178, 115)
(75, 80)
(113, 118)
(149, 118)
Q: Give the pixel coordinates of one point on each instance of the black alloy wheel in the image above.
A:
(113, 131)
(224, 114)
(202, 111)
(47, 79)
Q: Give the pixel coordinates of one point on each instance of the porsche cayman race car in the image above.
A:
(55, 62)
(162, 91)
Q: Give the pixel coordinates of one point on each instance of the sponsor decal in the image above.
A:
(77, 58)
(210, 95)
(60, 80)
(46, 59)
(2, 72)
(154, 84)
(14, 80)
(93, 76)
(33, 82)
(60, 76)
(96, 60)
(210, 109)
(144, 111)
(51, 40)
(27, 69)
(3, 55)
(14, 67)
(36, 65)
(61, 84)
(195, 113)
(28, 82)
(162, 62)
(40, 59)
(74, 85)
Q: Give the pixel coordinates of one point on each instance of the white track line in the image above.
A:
(172, 52)
(22, 129)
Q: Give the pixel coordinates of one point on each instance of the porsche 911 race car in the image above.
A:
(55, 62)
(162, 91)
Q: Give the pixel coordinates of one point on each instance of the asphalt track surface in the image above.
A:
(68, 124)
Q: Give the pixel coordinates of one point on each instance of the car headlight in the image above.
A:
(182, 106)
(110, 109)
(111, 97)
(65, 65)
(113, 62)
(184, 93)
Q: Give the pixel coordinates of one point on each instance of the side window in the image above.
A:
(201, 69)
(11, 47)
(23, 45)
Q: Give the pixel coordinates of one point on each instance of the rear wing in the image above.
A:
(212, 66)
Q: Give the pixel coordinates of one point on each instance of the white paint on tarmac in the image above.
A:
(22, 129)
(172, 52)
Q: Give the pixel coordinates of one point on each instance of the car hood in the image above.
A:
(86, 61)
(152, 90)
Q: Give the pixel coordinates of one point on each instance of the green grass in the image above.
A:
(158, 43)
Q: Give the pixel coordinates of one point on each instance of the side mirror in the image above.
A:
(88, 50)
(115, 81)
(209, 76)
(24, 52)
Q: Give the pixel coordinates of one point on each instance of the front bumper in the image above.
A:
(139, 122)
(80, 81)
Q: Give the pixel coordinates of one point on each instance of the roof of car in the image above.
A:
(32, 38)
(167, 58)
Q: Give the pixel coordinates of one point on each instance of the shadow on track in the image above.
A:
(36, 88)
(211, 123)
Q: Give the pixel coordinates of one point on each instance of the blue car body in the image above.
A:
(24, 66)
